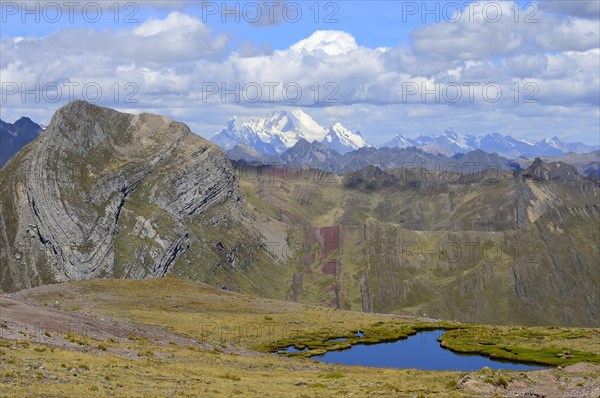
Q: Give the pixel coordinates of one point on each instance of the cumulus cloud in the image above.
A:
(177, 38)
(330, 42)
(579, 8)
(477, 34)
(570, 35)
(175, 23)
(176, 63)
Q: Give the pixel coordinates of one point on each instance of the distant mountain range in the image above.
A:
(274, 134)
(294, 138)
(450, 143)
(15, 136)
(279, 131)
(104, 194)
(318, 155)
(586, 163)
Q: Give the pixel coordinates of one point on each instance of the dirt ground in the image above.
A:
(48, 324)
(35, 323)
(570, 382)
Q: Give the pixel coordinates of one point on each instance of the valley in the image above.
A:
(479, 247)
(173, 337)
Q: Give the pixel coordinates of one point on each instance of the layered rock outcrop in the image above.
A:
(103, 193)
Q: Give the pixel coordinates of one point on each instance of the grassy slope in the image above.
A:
(448, 250)
(233, 330)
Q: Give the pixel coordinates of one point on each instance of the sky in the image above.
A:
(530, 69)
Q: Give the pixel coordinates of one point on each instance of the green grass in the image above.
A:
(547, 346)
(235, 335)
(504, 274)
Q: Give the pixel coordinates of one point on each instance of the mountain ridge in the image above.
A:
(318, 155)
(108, 194)
(280, 130)
(15, 136)
(104, 194)
(450, 143)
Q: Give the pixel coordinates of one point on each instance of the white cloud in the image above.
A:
(175, 23)
(579, 8)
(177, 38)
(570, 35)
(171, 59)
(479, 35)
(331, 42)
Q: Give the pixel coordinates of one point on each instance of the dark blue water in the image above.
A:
(421, 351)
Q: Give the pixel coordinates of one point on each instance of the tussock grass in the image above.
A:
(235, 334)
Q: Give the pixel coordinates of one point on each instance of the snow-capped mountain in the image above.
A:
(450, 143)
(548, 147)
(399, 141)
(231, 136)
(504, 145)
(278, 131)
(343, 140)
(512, 147)
(576, 147)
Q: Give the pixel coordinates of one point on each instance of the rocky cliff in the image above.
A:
(109, 194)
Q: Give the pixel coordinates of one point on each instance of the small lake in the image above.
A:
(421, 351)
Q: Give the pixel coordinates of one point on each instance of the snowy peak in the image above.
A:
(278, 131)
(448, 143)
(399, 141)
(577, 147)
(343, 140)
(231, 123)
(306, 125)
(451, 143)
(233, 135)
(284, 129)
(281, 130)
(451, 134)
(546, 147)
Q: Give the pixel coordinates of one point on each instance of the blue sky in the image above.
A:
(372, 23)
(169, 52)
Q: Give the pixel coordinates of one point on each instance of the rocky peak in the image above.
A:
(370, 178)
(97, 172)
(553, 171)
(25, 122)
(310, 154)
(231, 123)
(15, 136)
